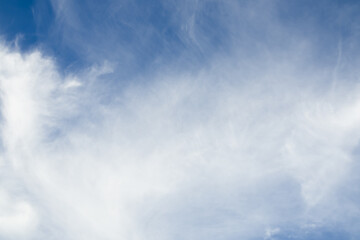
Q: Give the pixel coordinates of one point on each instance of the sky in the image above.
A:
(179, 120)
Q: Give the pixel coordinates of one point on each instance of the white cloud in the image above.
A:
(223, 152)
(17, 217)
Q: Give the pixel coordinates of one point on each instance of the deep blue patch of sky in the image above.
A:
(140, 35)
(16, 17)
(28, 23)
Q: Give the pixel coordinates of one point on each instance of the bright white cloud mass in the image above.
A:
(255, 142)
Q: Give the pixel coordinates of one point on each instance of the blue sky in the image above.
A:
(142, 32)
(201, 119)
